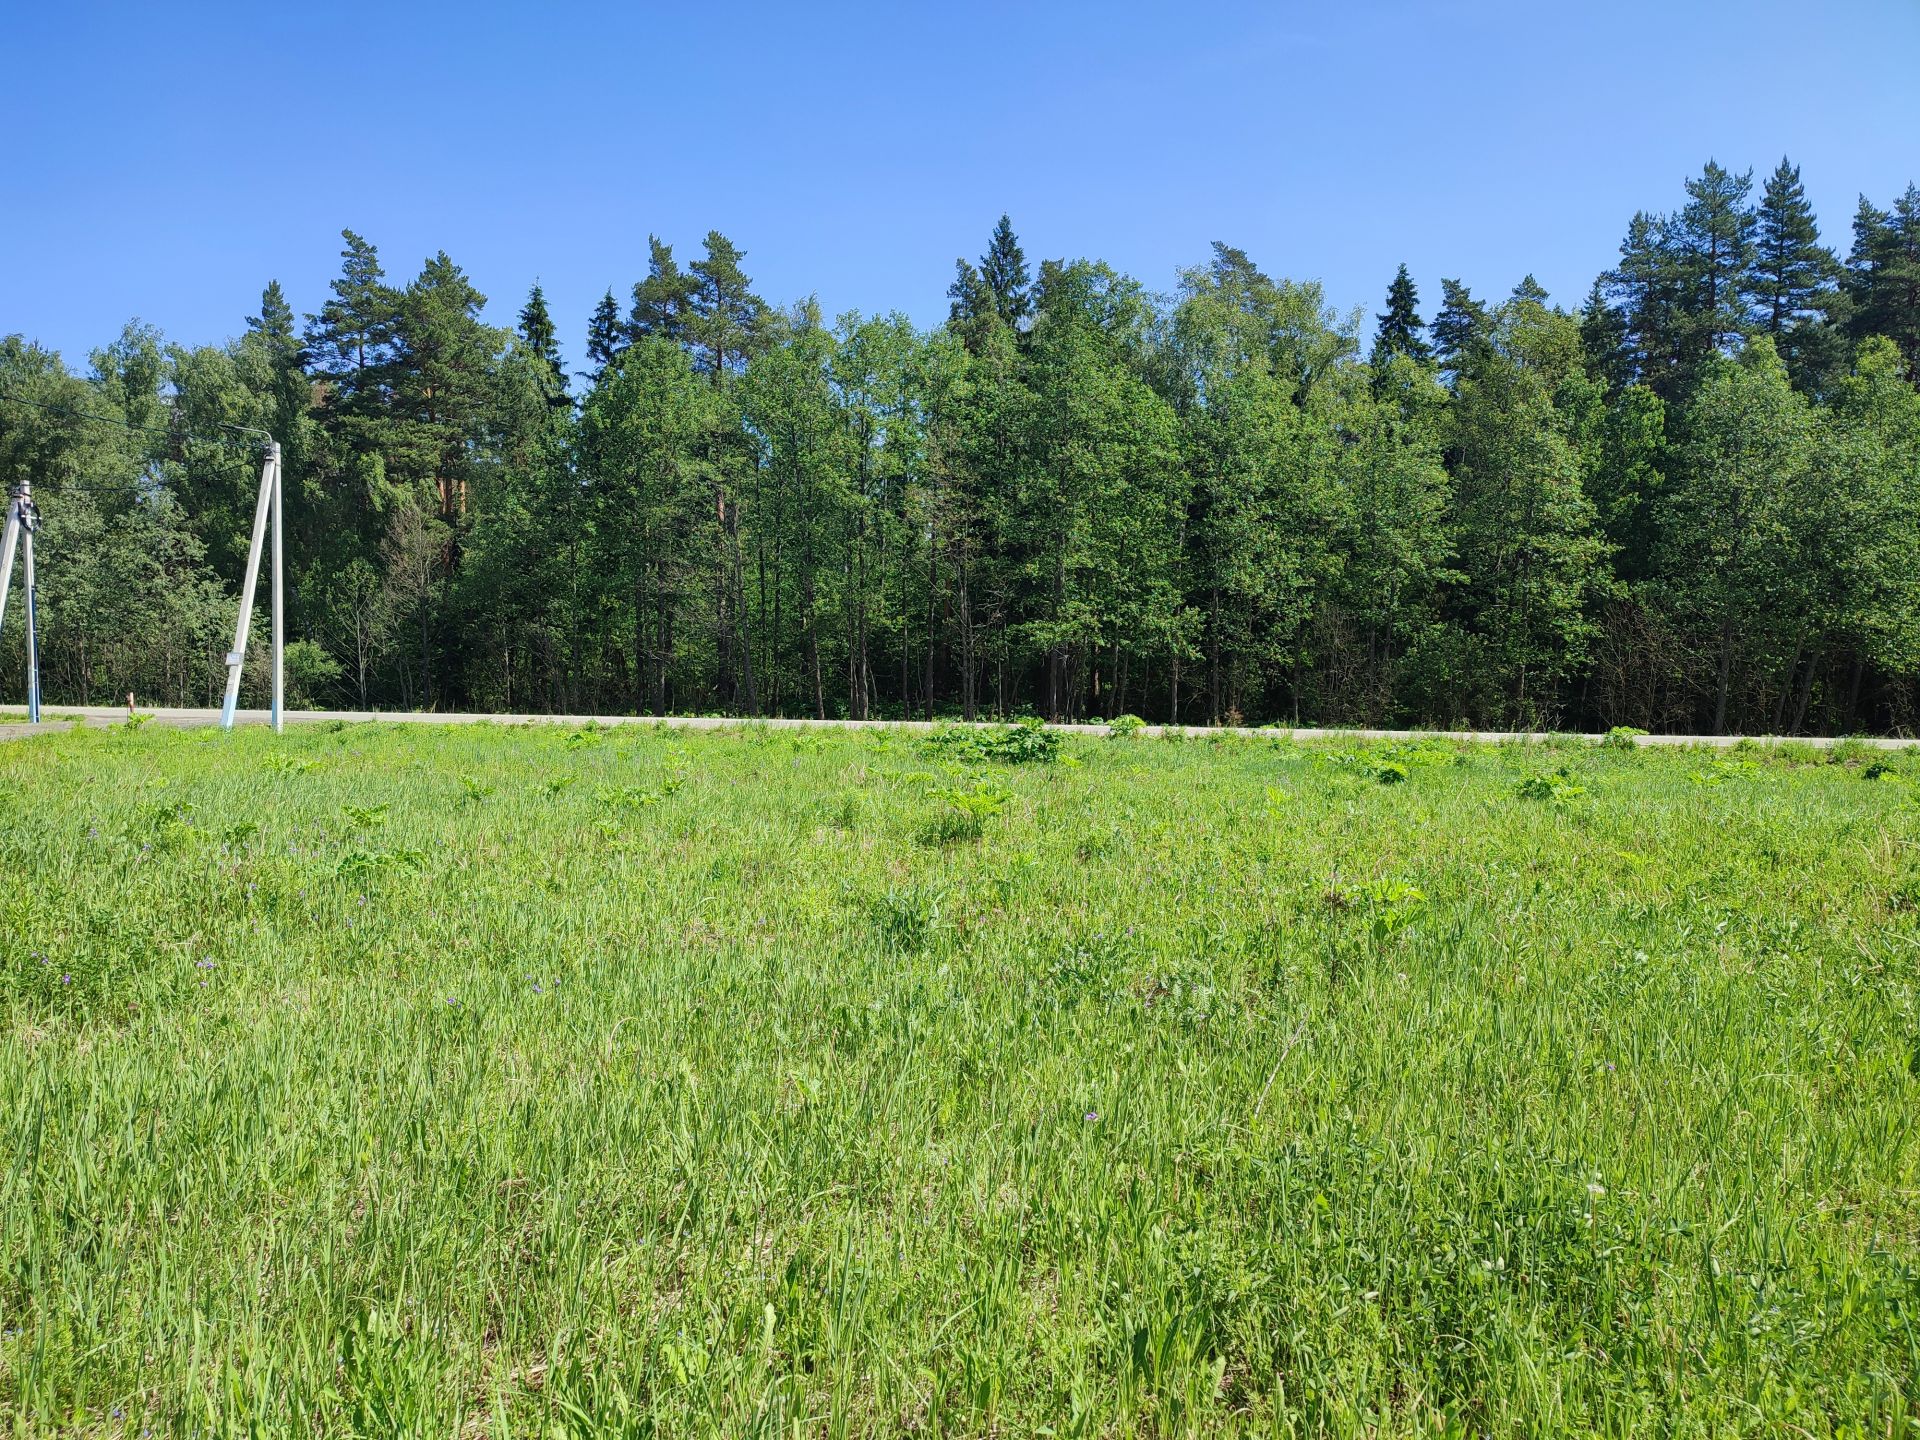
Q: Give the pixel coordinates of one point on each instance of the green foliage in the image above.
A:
(963, 811)
(1558, 788)
(1622, 737)
(1692, 506)
(358, 867)
(1028, 742)
(1388, 905)
(1157, 1086)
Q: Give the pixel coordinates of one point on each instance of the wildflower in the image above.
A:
(66, 979)
(1596, 1189)
(1092, 1115)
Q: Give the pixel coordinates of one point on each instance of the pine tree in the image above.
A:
(1792, 271)
(1680, 281)
(536, 328)
(1461, 323)
(1713, 251)
(1004, 269)
(441, 380)
(1883, 276)
(728, 320)
(1530, 291)
(1645, 289)
(1400, 327)
(1790, 289)
(353, 329)
(606, 338)
(663, 302)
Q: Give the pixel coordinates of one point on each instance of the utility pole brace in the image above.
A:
(22, 521)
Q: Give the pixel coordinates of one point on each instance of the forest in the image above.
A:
(1686, 501)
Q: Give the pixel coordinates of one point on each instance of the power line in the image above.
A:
(138, 429)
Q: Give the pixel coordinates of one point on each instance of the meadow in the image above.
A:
(423, 1081)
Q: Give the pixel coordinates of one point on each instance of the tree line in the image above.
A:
(1690, 502)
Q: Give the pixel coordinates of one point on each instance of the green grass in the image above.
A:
(456, 1081)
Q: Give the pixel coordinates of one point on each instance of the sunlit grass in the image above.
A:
(439, 1081)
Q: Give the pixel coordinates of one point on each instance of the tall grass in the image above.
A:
(409, 1081)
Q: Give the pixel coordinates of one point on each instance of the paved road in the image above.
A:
(60, 718)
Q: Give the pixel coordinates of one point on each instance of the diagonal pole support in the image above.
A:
(22, 521)
(265, 509)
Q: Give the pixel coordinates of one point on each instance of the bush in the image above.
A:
(310, 672)
(1557, 789)
(1026, 743)
(964, 812)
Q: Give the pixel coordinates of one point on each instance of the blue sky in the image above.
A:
(164, 161)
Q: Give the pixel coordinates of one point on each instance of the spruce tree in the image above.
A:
(536, 328)
(606, 337)
(971, 312)
(1400, 327)
(272, 330)
(274, 323)
(1004, 269)
(1603, 341)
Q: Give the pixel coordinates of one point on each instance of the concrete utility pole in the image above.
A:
(22, 521)
(266, 509)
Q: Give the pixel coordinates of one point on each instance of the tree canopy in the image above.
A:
(1689, 501)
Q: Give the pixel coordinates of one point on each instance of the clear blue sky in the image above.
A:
(164, 161)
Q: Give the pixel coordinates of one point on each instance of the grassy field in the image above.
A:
(443, 1082)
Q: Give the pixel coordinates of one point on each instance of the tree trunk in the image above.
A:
(1725, 678)
(1213, 655)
